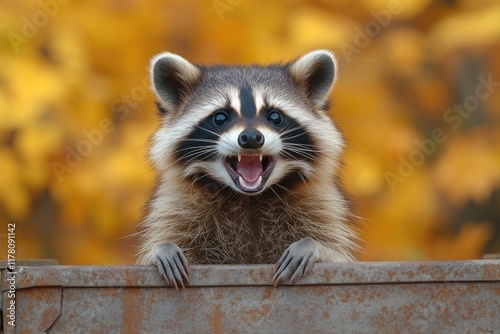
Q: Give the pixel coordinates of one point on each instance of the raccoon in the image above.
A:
(247, 160)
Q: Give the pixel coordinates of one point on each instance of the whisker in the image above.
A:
(288, 153)
(198, 148)
(218, 134)
(210, 147)
(302, 178)
(288, 129)
(292, 137)
(197, 151)
(202, 140)
(195, 155)
(300, 148)
(298, 144)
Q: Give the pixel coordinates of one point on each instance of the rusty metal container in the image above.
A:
(377, 297)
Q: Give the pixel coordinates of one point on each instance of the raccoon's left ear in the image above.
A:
(315, 74)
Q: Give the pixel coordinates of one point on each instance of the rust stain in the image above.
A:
(346, 297)
(43, 309)
(320, 291)
(255, 314)
(132, 310)
(216, 320)
(262, 275)
(268, 293)
(218, 294)
(491, 271)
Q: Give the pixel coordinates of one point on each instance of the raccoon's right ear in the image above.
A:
(172, 78)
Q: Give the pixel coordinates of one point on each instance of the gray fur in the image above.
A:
(213, 222)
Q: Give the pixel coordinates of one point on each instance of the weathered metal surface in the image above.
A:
(388, 297)
(5, 275)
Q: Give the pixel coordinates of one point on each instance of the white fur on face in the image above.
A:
(234, 98)
(259, 100)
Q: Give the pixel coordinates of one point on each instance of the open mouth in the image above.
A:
(249, 172)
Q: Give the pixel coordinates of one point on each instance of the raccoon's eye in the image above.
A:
(220, 118)
(275, 117)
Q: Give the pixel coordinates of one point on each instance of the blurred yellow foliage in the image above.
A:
(76, 113)
(473, 177)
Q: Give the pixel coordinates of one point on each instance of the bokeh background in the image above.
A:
(418, 99)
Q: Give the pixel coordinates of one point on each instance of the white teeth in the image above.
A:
(245, 185)
(260, 156)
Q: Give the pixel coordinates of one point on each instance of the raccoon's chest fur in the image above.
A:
(246, 230)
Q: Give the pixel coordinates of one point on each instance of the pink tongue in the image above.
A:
(249, 168)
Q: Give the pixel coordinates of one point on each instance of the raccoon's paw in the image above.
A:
(297, 260)
(172, 264)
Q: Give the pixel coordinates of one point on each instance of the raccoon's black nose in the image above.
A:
(251, 138)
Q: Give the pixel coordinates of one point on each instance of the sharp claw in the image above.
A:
(184, 262)
(298, 273)
(185, 278)
(183, 275)
(171, 281)
(275, 277)
(283, 266)
(278, 280)
(308, 265)
(177, 276)
(172, 265)
(165, 273)
(278, 276)
(297, 260)
(178, 282)
(282, 259)
(181, 269)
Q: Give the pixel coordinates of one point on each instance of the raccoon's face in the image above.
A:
(248, 128)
